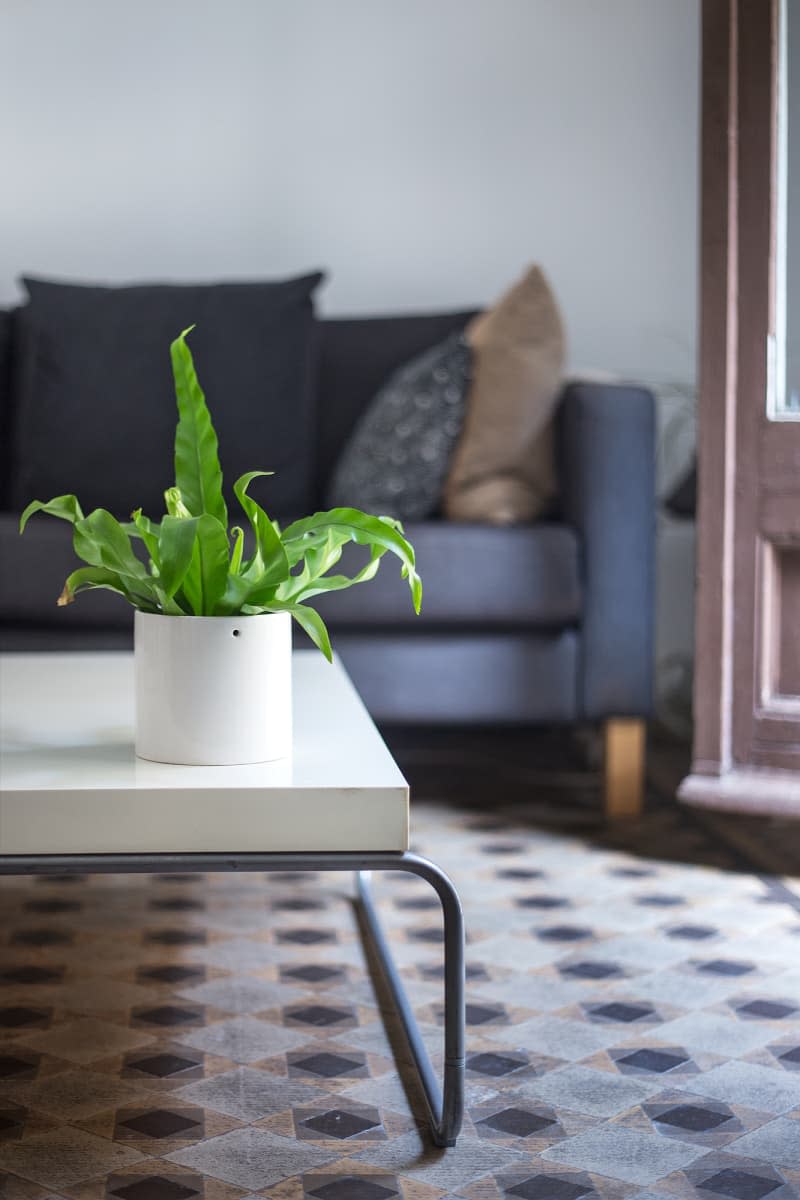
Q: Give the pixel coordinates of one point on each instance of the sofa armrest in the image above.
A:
(607, 450)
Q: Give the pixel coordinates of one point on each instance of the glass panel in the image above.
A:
(784, 399)
(787, 569)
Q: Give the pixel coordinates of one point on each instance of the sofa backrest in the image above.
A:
(355, 356)
(7, 319)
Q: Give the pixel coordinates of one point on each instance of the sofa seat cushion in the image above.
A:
(525, 576)
(473, 576)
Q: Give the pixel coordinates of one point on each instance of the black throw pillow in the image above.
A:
(96, 405)
(397, 458)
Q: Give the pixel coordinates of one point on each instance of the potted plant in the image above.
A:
(212, 627)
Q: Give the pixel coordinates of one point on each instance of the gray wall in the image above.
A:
(423, 151)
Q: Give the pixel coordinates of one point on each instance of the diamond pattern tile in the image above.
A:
(339, 1124)
(617, 1011)
(650, 1059)
(163, 1123)
(155, 1187)
(171, 973)
(660, 900)
(591, 970)
(312, 973)
(176, 904)
(30, 974)
(297, 904)
(549, 1187)
(12, 1121)
(328, 1065)
(18, 1066)
(739, 1185)
(318, 1015)
(168, 1016)
(482, 1014)
(519, 873)
(564, 933)
(40, 937)
(518, 1122)
(52, 906)
(693, 1118)
(176, 937)
(305, 937)
(162, 1066)
(721, 966)
(496, 1066)
(17, 1016)
(769, 1010)
(355, 1187)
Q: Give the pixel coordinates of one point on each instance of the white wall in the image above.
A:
(423, 151)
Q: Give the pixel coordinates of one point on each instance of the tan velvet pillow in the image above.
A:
(503, 468)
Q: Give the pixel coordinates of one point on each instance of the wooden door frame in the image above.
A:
(742, 754)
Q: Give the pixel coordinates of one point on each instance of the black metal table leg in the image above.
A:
(445, 1105)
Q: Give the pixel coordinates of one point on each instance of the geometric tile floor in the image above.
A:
(633, 1008)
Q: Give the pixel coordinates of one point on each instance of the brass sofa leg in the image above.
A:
(624, 767)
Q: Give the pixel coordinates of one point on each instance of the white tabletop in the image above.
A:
(71, 784)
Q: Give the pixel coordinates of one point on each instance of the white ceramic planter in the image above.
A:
(213, 691)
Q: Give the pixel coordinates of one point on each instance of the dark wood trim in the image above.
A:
(716, 418)
(756, 257)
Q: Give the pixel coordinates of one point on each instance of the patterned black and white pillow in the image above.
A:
(396, 461)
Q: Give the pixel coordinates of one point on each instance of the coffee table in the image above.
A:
(74, 798)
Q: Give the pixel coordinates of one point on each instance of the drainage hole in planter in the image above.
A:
(236, 633)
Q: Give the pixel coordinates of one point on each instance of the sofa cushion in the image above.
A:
(503, 470)
(396, 461)
(356, 356)
(96, 408)
(473, 576)
(34, 567)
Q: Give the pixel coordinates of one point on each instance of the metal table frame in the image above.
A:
(445, 1104)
